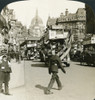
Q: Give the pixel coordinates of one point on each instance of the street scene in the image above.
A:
(78, 83)
(48, 53)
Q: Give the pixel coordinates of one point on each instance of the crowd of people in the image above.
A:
(60, 49)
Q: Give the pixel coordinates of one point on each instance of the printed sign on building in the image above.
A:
(52, 34)
(92, 40)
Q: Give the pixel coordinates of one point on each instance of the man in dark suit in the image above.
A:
(55, 63)
(5, 71)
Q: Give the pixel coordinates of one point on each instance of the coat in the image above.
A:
(55, 64)
(5, 71)
(4, 67)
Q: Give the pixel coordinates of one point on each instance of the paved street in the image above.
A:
(78, 83)
(39, 30)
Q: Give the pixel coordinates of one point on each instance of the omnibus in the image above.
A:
(59, 38)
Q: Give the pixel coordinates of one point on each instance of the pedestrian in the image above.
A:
(18, 56)
(29, 54)
(5, 71)
(55, 63)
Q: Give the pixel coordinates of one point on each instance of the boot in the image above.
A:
(48, 92)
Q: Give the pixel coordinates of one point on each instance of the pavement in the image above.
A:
(16, 84)
(15, 94)
(17, 75)
(78, 83)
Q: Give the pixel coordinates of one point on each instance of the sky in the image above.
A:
(25, 10)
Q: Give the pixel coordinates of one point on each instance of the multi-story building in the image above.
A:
(3, 31)
(15, 29)
(8, 14)
(73, 21)
(51, 21)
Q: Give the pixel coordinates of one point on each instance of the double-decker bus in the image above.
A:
(59, 38)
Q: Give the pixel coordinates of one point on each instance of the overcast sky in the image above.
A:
(26, 10)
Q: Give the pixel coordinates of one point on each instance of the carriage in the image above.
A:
(88, 54)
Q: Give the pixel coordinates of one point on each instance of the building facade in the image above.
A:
(76, 22)
(8, 14)
(15, 34)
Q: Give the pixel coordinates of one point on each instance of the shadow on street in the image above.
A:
(41, 87)
(85, 65)
(39, 65)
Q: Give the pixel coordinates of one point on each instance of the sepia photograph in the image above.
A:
(47, 50)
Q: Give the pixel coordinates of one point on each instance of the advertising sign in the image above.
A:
(65, 34)
(52, 34)
(31, 45)
(57, 27)
(57, 34)
(92, 40)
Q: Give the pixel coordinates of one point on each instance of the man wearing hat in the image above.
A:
(55, 63)
(5, 71)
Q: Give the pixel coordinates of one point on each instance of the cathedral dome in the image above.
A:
(36, 20)
(36, 27)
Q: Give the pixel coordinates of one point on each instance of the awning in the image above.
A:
(2, 22)
(23, 43)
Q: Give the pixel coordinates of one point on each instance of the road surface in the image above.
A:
(78, 83)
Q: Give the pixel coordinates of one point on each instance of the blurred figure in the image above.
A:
(17, 56)
(29, 54)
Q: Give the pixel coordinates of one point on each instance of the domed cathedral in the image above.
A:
(36, 28)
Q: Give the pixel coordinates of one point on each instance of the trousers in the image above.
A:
(6, 87)
(5, 80)
(54, 78)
